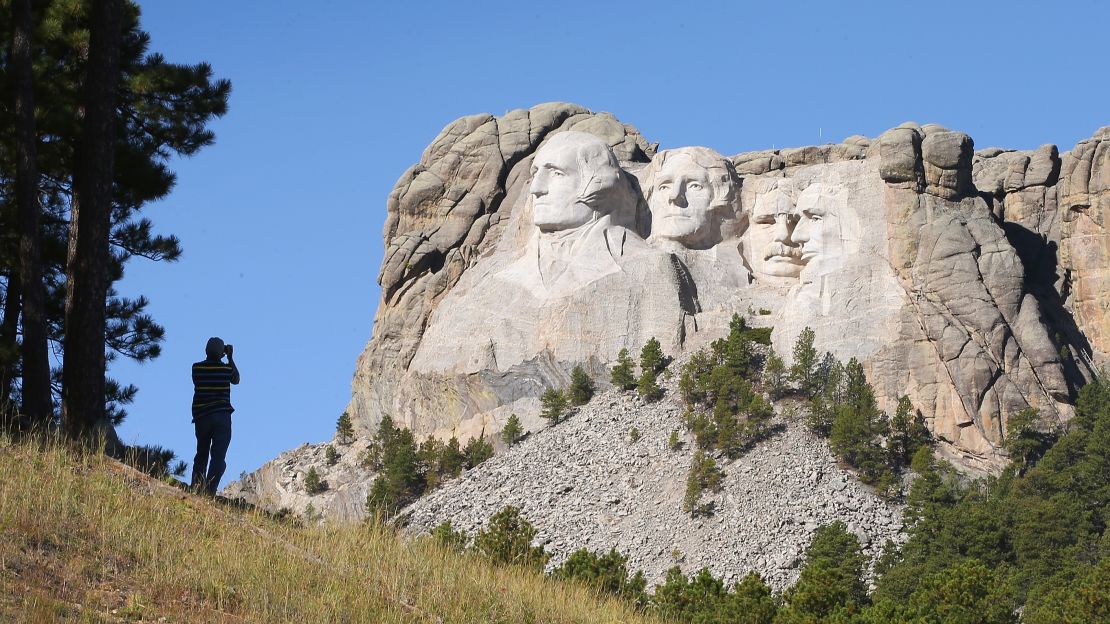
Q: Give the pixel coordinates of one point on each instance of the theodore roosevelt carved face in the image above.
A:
(773, 251)
(576, 180)
(689, 191)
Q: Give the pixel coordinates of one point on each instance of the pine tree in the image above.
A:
(312, 483)
(330, 456)
(623, 377)
(512, 431)
(1024, 443)
(651, 357)
(694, 381)
(648, 387)
(704, 475)
(581, 387)
(554, 405)
(857, 428)
(728, 428)
(452, 458)
(738, 347)
(35, 390)
(477, 450)
(774, 375)
(344, 431)
(161, 111)
(830, 586)
(804, 369)
(399, 479)
(907, 434)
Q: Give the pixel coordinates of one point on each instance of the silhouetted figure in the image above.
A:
(212, 409)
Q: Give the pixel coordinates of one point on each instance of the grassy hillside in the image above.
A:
(85, 539)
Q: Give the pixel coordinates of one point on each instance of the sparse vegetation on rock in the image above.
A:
(507, 539)
(312, 482)
(623, 375)
(581, 387)
(554, 404)
(344, 431)
(512, 432)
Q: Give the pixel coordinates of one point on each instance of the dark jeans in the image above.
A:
(213, 438)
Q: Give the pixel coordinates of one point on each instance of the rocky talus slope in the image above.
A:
(584, 483)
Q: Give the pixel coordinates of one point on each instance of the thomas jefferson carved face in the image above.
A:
(574, 176)
(774, 252)
(827, 228)
(689, 190)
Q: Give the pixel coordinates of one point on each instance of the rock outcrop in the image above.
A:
(523, 245)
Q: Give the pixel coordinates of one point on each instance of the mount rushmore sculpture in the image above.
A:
(523, 245)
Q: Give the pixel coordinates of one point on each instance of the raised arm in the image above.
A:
(234, 368)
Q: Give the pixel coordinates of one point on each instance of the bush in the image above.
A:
(634, 435)
(623, 376)
(608, 573)
(507, 539)
(673, 441)
(704, 475)
(330, 456)
(449, 538)
(581, 387)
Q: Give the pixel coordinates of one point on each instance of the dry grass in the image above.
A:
(85, 539)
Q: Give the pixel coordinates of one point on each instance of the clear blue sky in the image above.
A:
(281, 219)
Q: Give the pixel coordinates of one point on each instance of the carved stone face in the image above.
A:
(774, 251)
(825, 229)
(556, 182)
(681, 198)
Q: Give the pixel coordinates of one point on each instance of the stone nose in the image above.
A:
(676, 195)
(538, 187)
(782, 230)
(801, 231)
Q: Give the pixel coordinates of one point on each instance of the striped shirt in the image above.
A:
(212, 381)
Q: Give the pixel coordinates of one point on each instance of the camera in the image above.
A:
(227, 350)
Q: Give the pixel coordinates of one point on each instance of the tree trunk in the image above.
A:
(37, 404)
(83, 364)
(9, 358)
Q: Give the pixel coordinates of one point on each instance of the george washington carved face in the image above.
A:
(576, 179)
